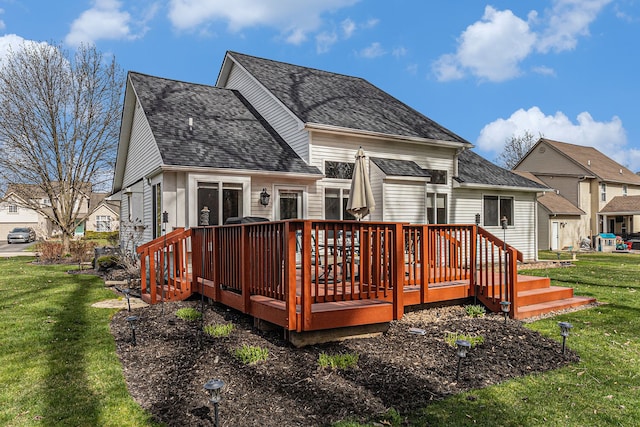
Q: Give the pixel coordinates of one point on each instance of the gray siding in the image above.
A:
(278, 117)
(143, 156)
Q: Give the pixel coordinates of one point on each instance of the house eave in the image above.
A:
(238, 172)
(339, 130)
(478, 186)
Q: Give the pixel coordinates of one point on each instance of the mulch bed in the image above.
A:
(166, 370)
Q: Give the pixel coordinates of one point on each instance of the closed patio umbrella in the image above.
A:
(361, 201)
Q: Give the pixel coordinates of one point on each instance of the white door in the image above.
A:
(555, 236)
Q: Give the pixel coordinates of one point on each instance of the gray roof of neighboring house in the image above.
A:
(558, 205)
(394, 167)
(474, 169)
(326, 98)
(227, 132)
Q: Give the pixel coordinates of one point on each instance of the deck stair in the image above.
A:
(536, 296)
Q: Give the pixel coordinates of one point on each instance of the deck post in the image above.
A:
(290, 274)
(398, 271)
(424, 264)
(473, 243)
(513, 278)
(306, 300)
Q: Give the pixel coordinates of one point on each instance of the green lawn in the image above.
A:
(58, 364)
(603, 389)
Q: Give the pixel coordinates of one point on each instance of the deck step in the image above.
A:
(540, 295)
(526, 283)
(546, 307)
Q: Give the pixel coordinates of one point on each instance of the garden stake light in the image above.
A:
(132, 324)
(126, 293)
(463, 347)
(504, 306)
(214, 387)
(564, 331)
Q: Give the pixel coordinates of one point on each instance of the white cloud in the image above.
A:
(546, 71)
(494, 47)
(13, 43)
(491, 48)
(609, 136)
(105, 20)
(293, 18)
(348, 27)
(568, 20)
(325, 40)
(399, 51)
(2, 24)
(374, 50)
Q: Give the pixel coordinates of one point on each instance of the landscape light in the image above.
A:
(132, 324)
(127, 295)
(214, 387)
(462, 347)
(564, 331)
(504, 306)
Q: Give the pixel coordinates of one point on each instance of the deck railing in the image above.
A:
(306, 262)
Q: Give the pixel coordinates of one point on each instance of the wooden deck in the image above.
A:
(311, 275)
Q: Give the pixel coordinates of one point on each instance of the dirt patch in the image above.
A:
(166, 370)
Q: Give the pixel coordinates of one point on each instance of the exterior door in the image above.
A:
(555, 236)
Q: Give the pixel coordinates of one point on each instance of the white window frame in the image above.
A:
(103, 219)
(193, 182)
(12, 209)
(510, 219)
(300, 189)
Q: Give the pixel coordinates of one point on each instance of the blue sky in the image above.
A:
(564, 69)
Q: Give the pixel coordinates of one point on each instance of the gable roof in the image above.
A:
(404, 168)
(556, 204)
(339, 101)
(474, 170)
(623, 205)
(227, 133)
(592, 161)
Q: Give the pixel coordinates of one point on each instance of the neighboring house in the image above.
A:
(291, 132)
(95, 212)
(604, 195)
(104, 214)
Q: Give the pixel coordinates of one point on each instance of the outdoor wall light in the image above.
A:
(132, 324)
(477, 219)
(462, 347)
(214, 388)
(504, 306)
(564, 331)
(264, 197)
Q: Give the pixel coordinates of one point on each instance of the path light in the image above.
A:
(127, 295)
(463, 347)
(214, 387)
(504, 306)
(564, 331)
(132, 324)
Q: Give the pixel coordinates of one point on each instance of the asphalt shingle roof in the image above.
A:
(622, 204)
(472, 168)
(227, 132)
(322, 97)
(394, 167)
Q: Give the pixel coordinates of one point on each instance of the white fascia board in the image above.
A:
(243, 172)
(500, 187)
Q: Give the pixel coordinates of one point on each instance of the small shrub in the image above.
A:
(338, 361)
(50, 251)
(81, 250)
(189, 314)
(107, 262)
(219, 331)
(474, 340)
(249, 354)
(475, 310)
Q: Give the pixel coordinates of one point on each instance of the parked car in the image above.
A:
(21, 235)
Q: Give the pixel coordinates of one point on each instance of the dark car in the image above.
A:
(21, 235)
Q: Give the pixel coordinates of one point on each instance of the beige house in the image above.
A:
(603, 196)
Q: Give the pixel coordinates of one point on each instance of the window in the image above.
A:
(156, 195)
(103, 223)
(438, 176)
(624, 190)
(209, 198)
(289, 204)
(496, 208)
(436, 208)
(338, 170)
(13, 209)
(603, 192)
(335, 204)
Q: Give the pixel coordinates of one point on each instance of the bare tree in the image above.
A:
(59, 126)
(515, 149)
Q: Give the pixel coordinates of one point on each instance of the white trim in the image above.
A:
(277, 188)
(192, 191)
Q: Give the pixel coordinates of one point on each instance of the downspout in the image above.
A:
(459, 150)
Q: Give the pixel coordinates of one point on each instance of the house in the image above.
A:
(278, 141)
(593, 193)
(18, 208)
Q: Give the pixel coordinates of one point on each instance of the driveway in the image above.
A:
(15, 249)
